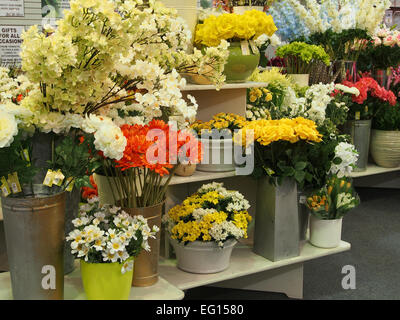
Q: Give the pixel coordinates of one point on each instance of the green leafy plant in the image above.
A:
(387, 118)
(17, 158)
(299, 57)
(346, 45)
(72, 156)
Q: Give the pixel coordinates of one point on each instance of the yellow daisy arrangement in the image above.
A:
(221, 122)
(230, 26)
(269, 131)
(213, 213)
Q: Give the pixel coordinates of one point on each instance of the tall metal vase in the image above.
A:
(360, 133)
(43, 145)
(277, 220)
(146, 264)
(34, 229)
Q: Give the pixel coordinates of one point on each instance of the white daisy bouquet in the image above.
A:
(107, 234)
(213, 213)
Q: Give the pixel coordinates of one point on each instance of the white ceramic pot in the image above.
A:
(300, 79)
(218, 155)
(203, 257)
(187, 9)
(385, 148)
(325, 233)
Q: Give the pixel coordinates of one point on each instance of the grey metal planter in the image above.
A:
(277, 220)
(360, 133)
(304, 216)
(34, 229)
(42, 152)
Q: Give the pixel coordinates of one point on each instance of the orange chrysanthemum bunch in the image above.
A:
(152, 152)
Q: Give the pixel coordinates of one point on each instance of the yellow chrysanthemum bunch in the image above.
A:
(220, 121)
(269, 131)
(211, 214)
(249, 25)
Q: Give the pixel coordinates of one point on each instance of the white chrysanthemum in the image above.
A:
(8, 129)
(348, 155)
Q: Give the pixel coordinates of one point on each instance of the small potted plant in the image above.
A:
(299, 58)
(206, 226)
(240, 31)
(106, 240)
(216, 138)
(385, 136)
(327, 207)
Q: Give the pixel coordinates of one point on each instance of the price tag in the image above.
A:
(358, 115)
(254, 47)
(245, 47)
(5, 188)
(70, 184)
(13, 182)
(303, 200)
(25, 156)
(58, 178)
(48, 179)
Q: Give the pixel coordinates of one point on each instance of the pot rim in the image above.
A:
(328, 220)
(204, 244)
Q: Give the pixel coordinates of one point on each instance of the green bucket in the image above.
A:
(105, 281)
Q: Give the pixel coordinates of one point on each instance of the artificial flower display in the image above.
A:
(152, 151)
(234, 27)
(300, 57)
(334, 200)
(213, 213)
(223, 122)
(107, 234)
(370, 99)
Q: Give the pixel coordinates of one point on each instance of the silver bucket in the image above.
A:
(276, 234)
(360, 133)
(34, 229)
(303, 215)
(42, 153)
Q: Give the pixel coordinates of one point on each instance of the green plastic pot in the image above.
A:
(240, 67)
(105, 281)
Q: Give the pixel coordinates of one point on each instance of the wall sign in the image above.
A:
(10, 44)
(12, 8)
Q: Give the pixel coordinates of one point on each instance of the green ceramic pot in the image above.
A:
(239, 67)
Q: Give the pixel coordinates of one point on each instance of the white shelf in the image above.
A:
(373, 169)
(228, 86)
(243, 262)
(202, 176)
(73, 289)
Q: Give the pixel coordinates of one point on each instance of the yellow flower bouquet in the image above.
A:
(212, 214)
(234, 27)
(280, 147)
(223, 122)
(241, 31)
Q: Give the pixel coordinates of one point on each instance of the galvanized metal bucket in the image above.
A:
(360, 133)
(146, 264)
(276, 234)
(34, 229)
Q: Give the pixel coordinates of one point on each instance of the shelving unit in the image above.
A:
(250, 271)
